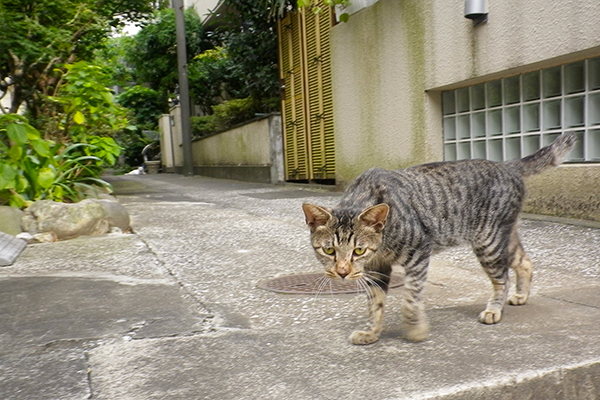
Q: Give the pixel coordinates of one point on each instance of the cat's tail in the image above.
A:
(546, 157)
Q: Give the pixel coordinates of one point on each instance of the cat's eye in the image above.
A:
(328, 250)
(359, 251)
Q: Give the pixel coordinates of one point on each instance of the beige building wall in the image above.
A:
(391, 61)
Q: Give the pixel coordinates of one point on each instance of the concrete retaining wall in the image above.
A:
(249, 152)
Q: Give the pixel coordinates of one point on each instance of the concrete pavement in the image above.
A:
(173, 312)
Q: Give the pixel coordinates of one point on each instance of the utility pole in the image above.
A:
(184, 92)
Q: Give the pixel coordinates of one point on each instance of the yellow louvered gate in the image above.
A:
(291, 72)
(305, 72)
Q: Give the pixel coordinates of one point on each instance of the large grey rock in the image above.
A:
(56, 221)
(117, 215)
(10, 220)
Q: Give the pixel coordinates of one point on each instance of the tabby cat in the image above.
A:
(388, 218)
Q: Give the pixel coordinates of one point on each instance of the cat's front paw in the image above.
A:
(363, 337)
(416, 333)
(517, 299)
(490, 317)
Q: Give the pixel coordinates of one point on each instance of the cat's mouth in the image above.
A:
(344, 275)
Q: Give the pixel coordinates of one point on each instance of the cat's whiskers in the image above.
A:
(321, 283)
(371, 282)
(362, 283)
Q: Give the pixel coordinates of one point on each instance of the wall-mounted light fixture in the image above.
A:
(476, 10)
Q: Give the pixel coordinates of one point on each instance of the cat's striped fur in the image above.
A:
(388, 218)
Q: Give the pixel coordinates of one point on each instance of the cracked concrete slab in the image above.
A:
(202, 245)
(42, 310)
(48, 322)
(52, 372)
(60, 299)
(462, 360)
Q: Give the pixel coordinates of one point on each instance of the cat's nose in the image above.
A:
(342, 271)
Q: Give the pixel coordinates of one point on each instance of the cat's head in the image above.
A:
(345, 239)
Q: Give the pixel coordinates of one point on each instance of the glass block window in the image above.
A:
(513, 117)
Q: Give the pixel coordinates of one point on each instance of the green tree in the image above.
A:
(83, 105)
(212, 79)
(112, 58)
(250, 39)
(152, 52)
(145, 104)
(38, 36)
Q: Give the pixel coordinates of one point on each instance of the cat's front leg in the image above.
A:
(416, 327)
(376, 296)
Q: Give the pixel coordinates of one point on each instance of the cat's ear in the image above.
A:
(375, 216)
(315, 216)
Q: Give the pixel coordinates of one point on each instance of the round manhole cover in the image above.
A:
(317, 283)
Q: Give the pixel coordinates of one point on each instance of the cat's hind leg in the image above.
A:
(521, 264)
(376, 296)
(494, 256)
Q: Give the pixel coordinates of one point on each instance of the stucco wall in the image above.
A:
(176, 136)
(381, 110)
(391, 61)
(568, 191)
(166, 145)
(250, 152)
(520, 35)
(245, 145)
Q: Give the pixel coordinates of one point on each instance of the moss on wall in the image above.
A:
(569, 191)
(413, 21)
(382, 120)
(244, 145)
(389, 54)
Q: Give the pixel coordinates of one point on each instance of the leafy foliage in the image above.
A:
(203, 126)
(32, 168)
(44, 44)
(111, 57)
(152, 53)
(39, 35)
(237, 60)
(250, 39)
(133, 142)
(211, 78)
(82, 105)
(145, 104)
(224, 116)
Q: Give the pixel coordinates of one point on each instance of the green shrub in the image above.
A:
(233, 112)
(32, 168)
(145, 104)
(203, 126)
(82, 105)
(224, 116)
